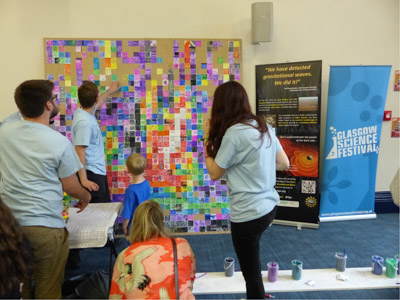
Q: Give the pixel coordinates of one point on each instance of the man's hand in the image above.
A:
(73, 188)
(90, 185)
(114, 86)
(125, 231)
(81, 205)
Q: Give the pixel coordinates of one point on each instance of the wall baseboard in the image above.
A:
(384, 203)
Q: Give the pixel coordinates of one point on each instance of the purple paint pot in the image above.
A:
(273, 268)
(377, 265)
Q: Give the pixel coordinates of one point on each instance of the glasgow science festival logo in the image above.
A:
(353, 142)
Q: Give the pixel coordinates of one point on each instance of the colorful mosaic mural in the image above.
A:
(166, 94)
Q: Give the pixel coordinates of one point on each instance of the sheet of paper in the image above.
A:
(89, 228)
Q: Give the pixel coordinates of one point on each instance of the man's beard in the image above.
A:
(54, 112)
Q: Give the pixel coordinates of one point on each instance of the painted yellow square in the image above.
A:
(148, 96)
(114, 63)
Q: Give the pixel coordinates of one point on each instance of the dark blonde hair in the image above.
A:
(15, 257)
(148, 222)
(136, 164)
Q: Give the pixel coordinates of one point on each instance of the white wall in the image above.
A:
(340, 32)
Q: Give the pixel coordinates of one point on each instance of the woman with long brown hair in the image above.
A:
(244, 147)
(15, 258)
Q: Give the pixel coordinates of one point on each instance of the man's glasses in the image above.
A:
(55, 97)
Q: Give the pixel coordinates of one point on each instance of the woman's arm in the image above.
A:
(282, 161)
(214, 170)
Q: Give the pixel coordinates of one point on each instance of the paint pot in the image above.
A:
(229, 266)
(341, 261)
(297, 267)
(391, 267)
(398, 265)
(273, 268)
(377, 265)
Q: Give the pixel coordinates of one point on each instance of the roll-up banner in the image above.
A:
(288, 96)
(356, 102)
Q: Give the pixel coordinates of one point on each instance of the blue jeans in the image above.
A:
(246, 240)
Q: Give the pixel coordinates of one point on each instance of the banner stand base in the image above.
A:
(347, 218)
(299, 225)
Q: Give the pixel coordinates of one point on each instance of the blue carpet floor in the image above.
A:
(315, 247)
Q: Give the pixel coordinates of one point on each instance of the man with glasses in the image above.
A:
(38, 164)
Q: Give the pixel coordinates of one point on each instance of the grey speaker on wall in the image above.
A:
(261, 22)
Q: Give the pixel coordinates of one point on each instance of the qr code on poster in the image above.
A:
(308, 186)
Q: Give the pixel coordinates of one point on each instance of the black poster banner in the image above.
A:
(288, 96)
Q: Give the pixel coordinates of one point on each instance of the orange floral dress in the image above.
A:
(145, 270)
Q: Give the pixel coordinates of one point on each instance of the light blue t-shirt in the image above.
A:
(85, 131)
(33, 157)
(250, 165)
(11, 118)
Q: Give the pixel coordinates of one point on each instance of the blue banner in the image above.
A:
(356, 102)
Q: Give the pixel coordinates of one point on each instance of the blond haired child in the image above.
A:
(137, 192)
